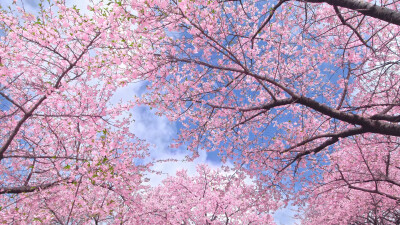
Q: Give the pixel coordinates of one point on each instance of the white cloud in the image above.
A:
(80, 4)
(159, 132)
(285, 216)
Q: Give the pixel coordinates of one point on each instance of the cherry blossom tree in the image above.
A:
(209, 197)
(303, 94)
(66, 154)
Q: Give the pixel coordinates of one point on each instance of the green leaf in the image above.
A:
(37, 219)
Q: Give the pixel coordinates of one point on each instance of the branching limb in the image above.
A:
(352, 28)
(365, 8)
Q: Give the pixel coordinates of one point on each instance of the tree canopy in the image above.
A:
(301, 96)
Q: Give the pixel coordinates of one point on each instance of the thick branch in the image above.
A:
(365, 8)
(369, 124)
(343, 134)
(25, 189)
(389, 118)
(332, 140)
(18, 126)
(373, 126)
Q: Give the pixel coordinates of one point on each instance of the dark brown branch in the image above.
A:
(43, 157)
(344, 93)
(389, 118)
(351, 186)
(271, 14)
(365, 8)
(351, 27)
(370, 125)
(26, 189)
(332, 140)
(373, 126)
(13, 102)
(19, 125)
(343, 134)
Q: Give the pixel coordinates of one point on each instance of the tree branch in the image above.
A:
(365, 8)
(26, 189)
